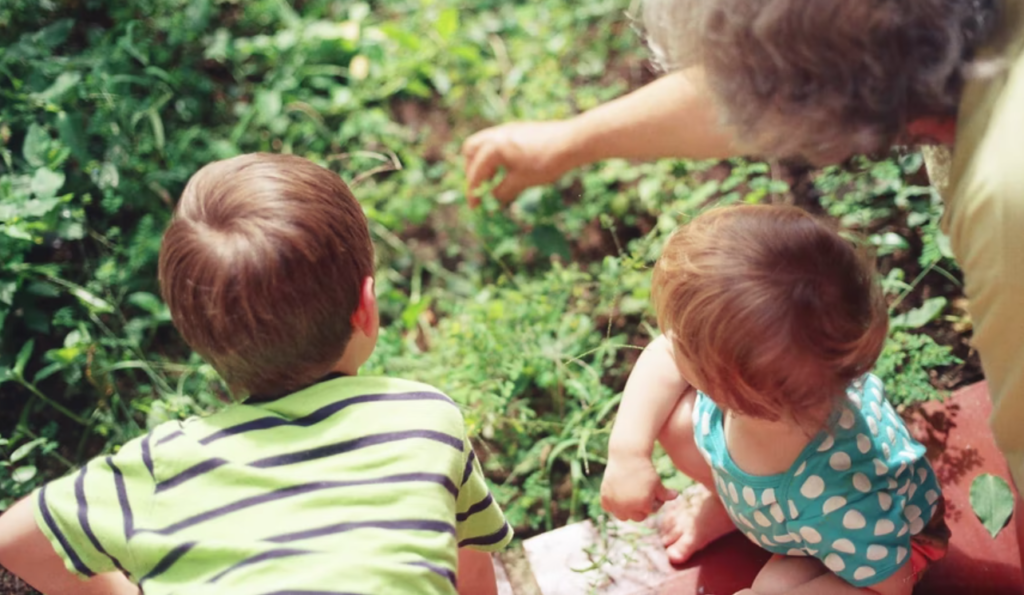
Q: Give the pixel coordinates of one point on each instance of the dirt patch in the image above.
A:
(11, 585)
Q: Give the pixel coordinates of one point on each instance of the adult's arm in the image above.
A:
(674, 116)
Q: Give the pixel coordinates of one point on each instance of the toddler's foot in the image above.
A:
(692, 521)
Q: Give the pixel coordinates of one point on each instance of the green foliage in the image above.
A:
(107, 108)
(992, 501)
(906, 365)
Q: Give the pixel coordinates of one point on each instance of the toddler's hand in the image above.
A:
(631, 489)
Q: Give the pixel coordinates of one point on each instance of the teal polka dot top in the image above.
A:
(853, 498)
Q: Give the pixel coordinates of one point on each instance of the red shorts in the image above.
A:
(931, 544)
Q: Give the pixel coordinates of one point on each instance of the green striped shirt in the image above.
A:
(353, 485)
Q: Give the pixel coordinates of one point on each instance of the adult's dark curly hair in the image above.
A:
(823, 79)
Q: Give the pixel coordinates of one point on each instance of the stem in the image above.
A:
(35, 391)
(912, 287)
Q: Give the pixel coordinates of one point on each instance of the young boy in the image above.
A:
(320, 481)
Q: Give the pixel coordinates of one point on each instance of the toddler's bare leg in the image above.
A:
(782, 574)
(697, 517)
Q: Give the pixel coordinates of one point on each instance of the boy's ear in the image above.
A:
(366, 318)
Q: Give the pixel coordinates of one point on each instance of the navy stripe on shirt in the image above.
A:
(313, 454)
(438, 570)
(170, 437)
(190, 473)
(122, 500)
(270, 555)
(267, 423)
(167, 561)
(478, 507)
(491, 539)
(355, 444)
(147, 456)
(76, 561)
(83, 519)
(302, 489)
(403, 525)
(469, 466)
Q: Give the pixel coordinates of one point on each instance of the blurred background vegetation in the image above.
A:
(529, 318)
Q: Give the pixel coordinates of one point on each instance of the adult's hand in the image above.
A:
(531, 153)
(671, 117)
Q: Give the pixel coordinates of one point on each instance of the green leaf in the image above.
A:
(92, 301)
(70, 127)
(24, 474)
(39, 207)
(36, 142)
(46, 183)
(26, 449)
(919, 317)
(7, 290)
(16, 233)
(550, 241)
(23, 355)
(64, 83)
(55, 34)
(47, 372)
(412, 312)
(146, 301)
(992, 501)
(448, 23)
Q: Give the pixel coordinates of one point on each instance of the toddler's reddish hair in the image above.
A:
(773, 310)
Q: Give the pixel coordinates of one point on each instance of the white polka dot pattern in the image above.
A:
(840, 461)
(835, 563)
(884, 527)
(833, 504)
(854, 520)
(864, 572)
(852, 499)
(845, 546)
(761, 519)
(810, 535)
(813, 487)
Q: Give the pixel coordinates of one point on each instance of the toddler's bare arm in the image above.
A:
(631, 488)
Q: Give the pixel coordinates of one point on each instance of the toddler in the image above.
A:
(320, 481)
(759, 390)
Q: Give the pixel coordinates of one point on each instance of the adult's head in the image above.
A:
(823, 79)
(267, 271)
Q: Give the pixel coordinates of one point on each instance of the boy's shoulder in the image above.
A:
(344, 397)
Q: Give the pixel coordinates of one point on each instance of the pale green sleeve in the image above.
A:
(480, 523)
(90, 516)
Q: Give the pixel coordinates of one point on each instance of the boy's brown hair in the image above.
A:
(774, 311)
(262, 268)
